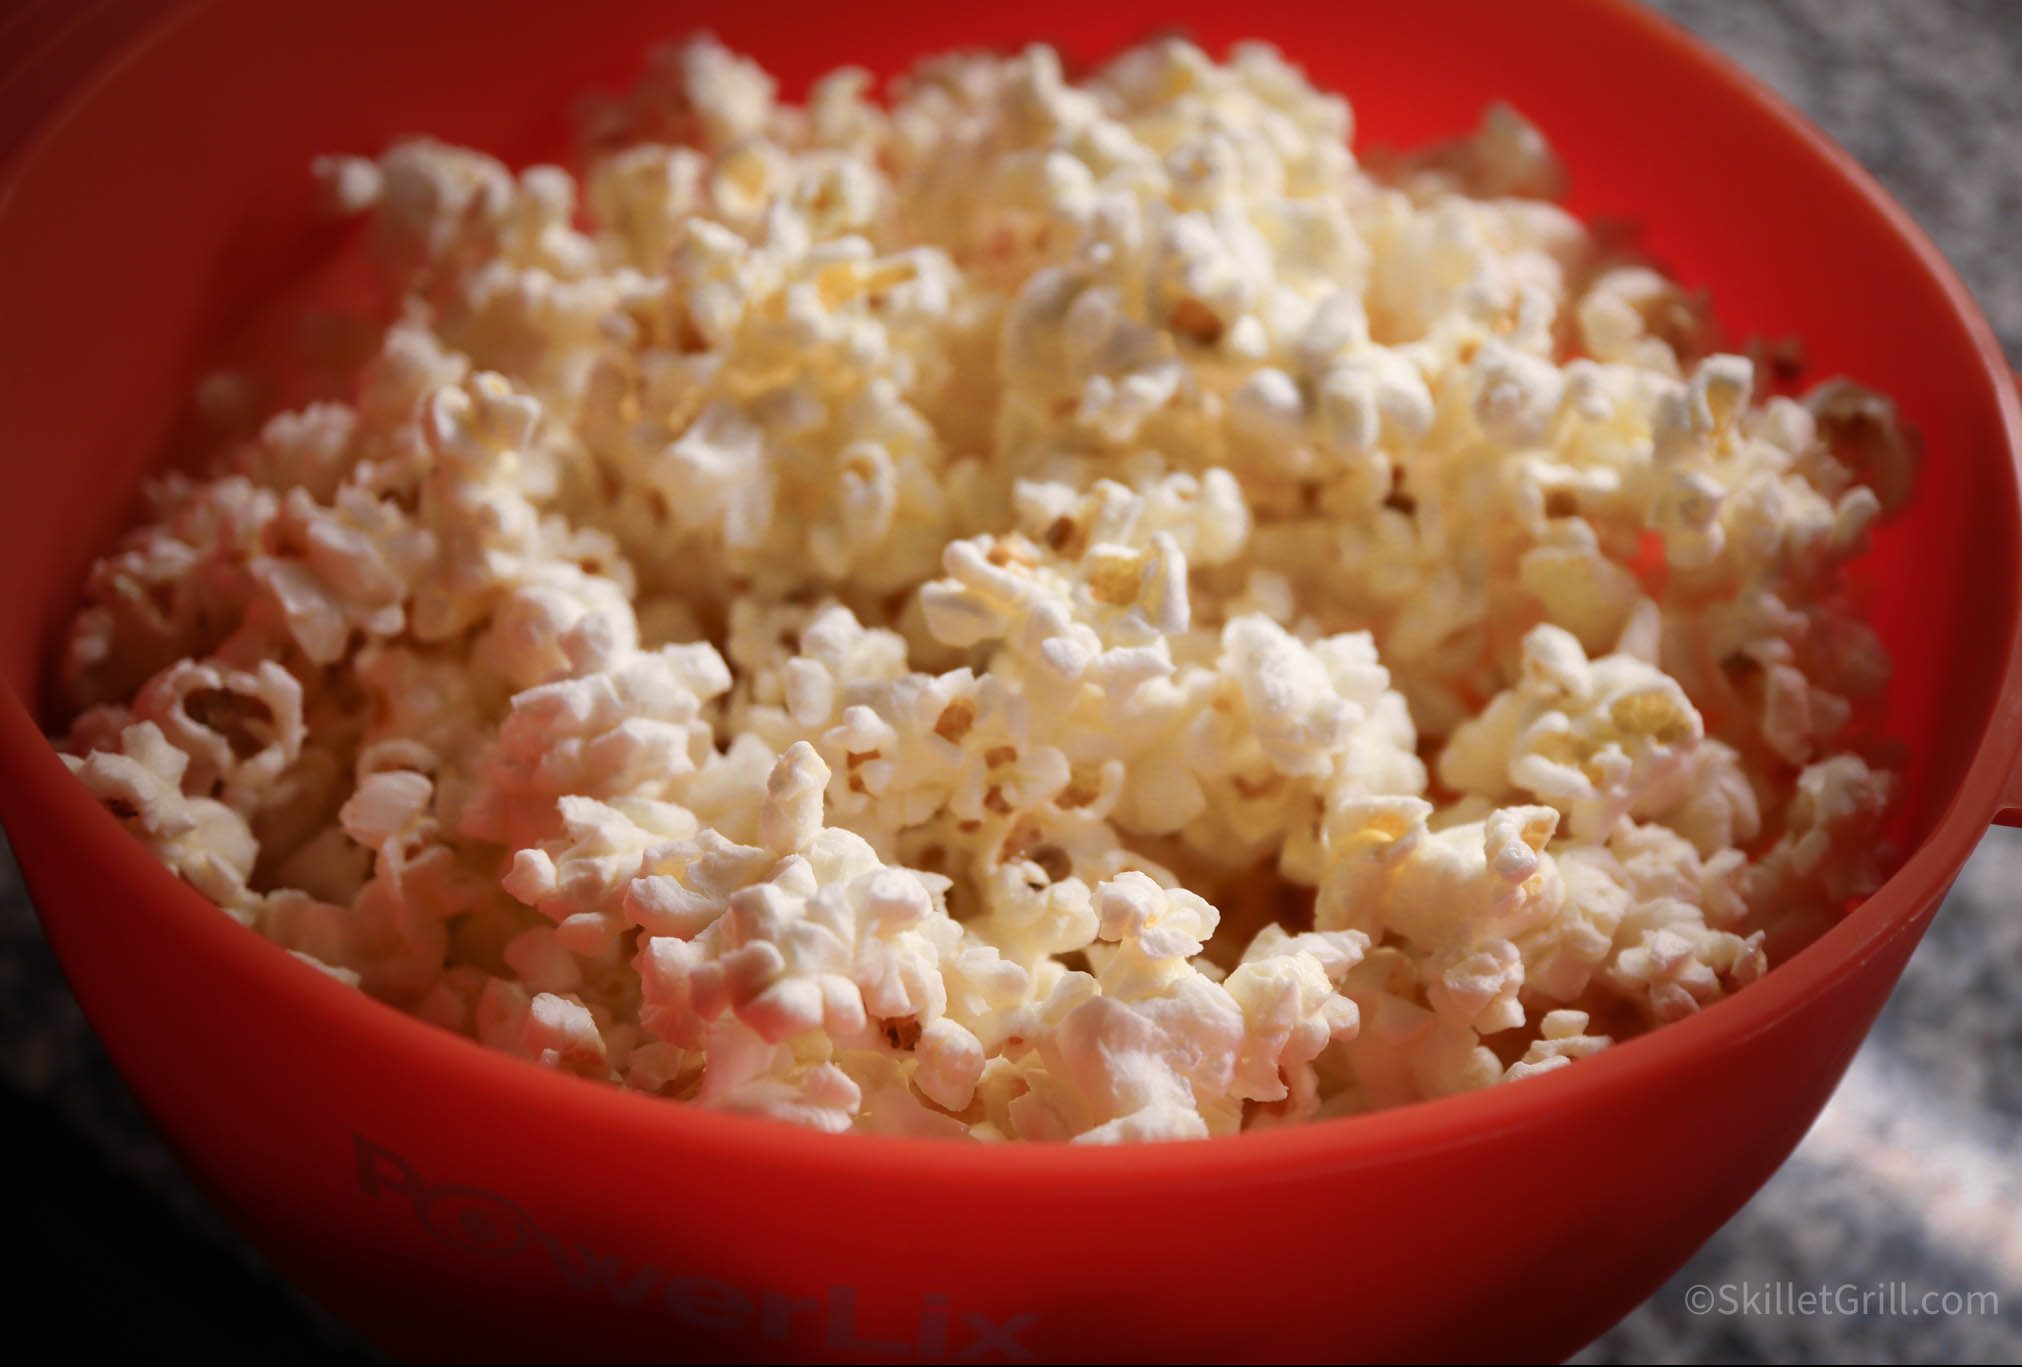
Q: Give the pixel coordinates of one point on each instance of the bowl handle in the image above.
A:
(2008, 812)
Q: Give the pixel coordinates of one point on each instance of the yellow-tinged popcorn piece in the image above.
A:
(1599, 740)
(1010, 607)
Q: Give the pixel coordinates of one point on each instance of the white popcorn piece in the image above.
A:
(1562, 1038)
(635, 729)
(1673, 964)
(581, 879)
(241, 730)
(1288, 989)
(1832, 846)
(552, 1030)
(207, 843)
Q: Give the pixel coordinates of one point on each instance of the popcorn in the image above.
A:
(1562, 1038)
(341, 569)
(545, 1027)
(240, 730)
(582, 878)
(173, 590)
(1027, 609)
(1599, 740)
(1287, 987)
(395, 948)
(808, 932)
(310, 449)
(1287, 692)
(635, 729)
(203, 840)
(1831, 847)
(558, 623)
(1672, 974)
(435, 202)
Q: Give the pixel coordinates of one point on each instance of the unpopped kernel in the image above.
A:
(1025, 609)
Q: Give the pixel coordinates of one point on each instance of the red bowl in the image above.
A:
(450, 1202)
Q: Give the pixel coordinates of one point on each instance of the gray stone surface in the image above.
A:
(1912, 1174)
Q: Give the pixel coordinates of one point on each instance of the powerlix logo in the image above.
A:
(490, 1225)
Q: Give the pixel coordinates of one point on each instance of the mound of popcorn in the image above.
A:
(1021, 608)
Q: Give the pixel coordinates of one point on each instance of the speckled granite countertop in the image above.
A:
(1913, 1176)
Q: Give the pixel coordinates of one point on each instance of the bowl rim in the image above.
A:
(1337, 1143)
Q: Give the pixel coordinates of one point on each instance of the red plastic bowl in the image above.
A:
(450, 1202)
